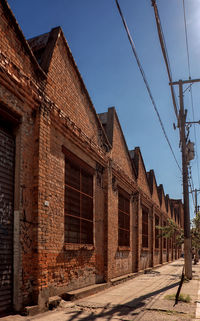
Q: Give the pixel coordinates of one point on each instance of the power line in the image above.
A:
(191, 94)
(186, 38)
(195, 136)
(145, 80)
(165, 54)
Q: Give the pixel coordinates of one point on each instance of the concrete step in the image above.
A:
(83, 292)
(124, 278)
(54, 302)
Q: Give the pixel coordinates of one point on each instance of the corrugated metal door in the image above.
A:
(7, 150)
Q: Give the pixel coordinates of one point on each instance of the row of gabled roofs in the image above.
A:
(136, 158)
(40, 49)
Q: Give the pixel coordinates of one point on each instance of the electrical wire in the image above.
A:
(186, 38)
(165, 55)
(191, 94)
(145, 80)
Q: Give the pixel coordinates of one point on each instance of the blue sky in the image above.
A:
(99, 44)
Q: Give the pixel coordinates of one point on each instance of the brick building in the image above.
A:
(76, 206)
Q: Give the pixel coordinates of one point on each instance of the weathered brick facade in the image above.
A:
(46, 108)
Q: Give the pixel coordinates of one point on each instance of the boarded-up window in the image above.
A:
(78, 203)
(156, 232)
(145, 228)
(123, 219)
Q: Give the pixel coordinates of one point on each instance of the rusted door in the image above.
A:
(7, 150)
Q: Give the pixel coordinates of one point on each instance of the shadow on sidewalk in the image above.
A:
(109, 311)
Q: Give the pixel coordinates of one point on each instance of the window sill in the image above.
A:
(124, 248)
(74, 246)
(145, 249)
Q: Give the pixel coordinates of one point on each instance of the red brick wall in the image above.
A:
(119, 261)
(155, 197)
(67, 91)
(119, 151)
(26, 190)
(12, 46)
(47, 265)
(64, 267)
(19, 96)
(142, 179)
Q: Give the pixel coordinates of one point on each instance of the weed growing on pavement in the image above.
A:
(182, 297)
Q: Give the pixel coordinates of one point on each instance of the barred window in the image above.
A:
(174, 240)
(170, 243)
(78, 203)
(156, 232)
(145, 226)
(164, 238)
(123, 219)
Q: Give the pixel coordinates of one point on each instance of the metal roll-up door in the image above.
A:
(7, 151)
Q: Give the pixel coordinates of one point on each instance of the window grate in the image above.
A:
(78, 203)
(164, 238)
(145, 228)
(156, 232)
(123, 220)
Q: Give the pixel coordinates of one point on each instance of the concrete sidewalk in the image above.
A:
(142, 298)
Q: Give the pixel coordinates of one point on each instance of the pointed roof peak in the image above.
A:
(21, 36)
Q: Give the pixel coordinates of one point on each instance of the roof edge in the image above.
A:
(85, 89)
(22, 37)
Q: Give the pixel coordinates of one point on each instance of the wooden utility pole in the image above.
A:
(181, 117)
(187, 237)
(181, 124)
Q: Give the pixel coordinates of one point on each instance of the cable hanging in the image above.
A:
(165, 55)
(191, 94)
(145, 81)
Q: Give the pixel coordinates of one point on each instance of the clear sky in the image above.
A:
(99, 44)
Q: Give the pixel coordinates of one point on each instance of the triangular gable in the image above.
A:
(12, 39)
(107, 120)
(120, 152)
(172, 209)
(168, 207)
(142, 178)
(153, 186)
(177, 208)
(161, 196)
(65, 86)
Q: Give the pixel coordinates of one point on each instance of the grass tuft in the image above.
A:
(182, 297)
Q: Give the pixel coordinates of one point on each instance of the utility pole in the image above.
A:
(195, 197)
(181, 124)
(187, 237)
(181, 117)
(195, 200)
